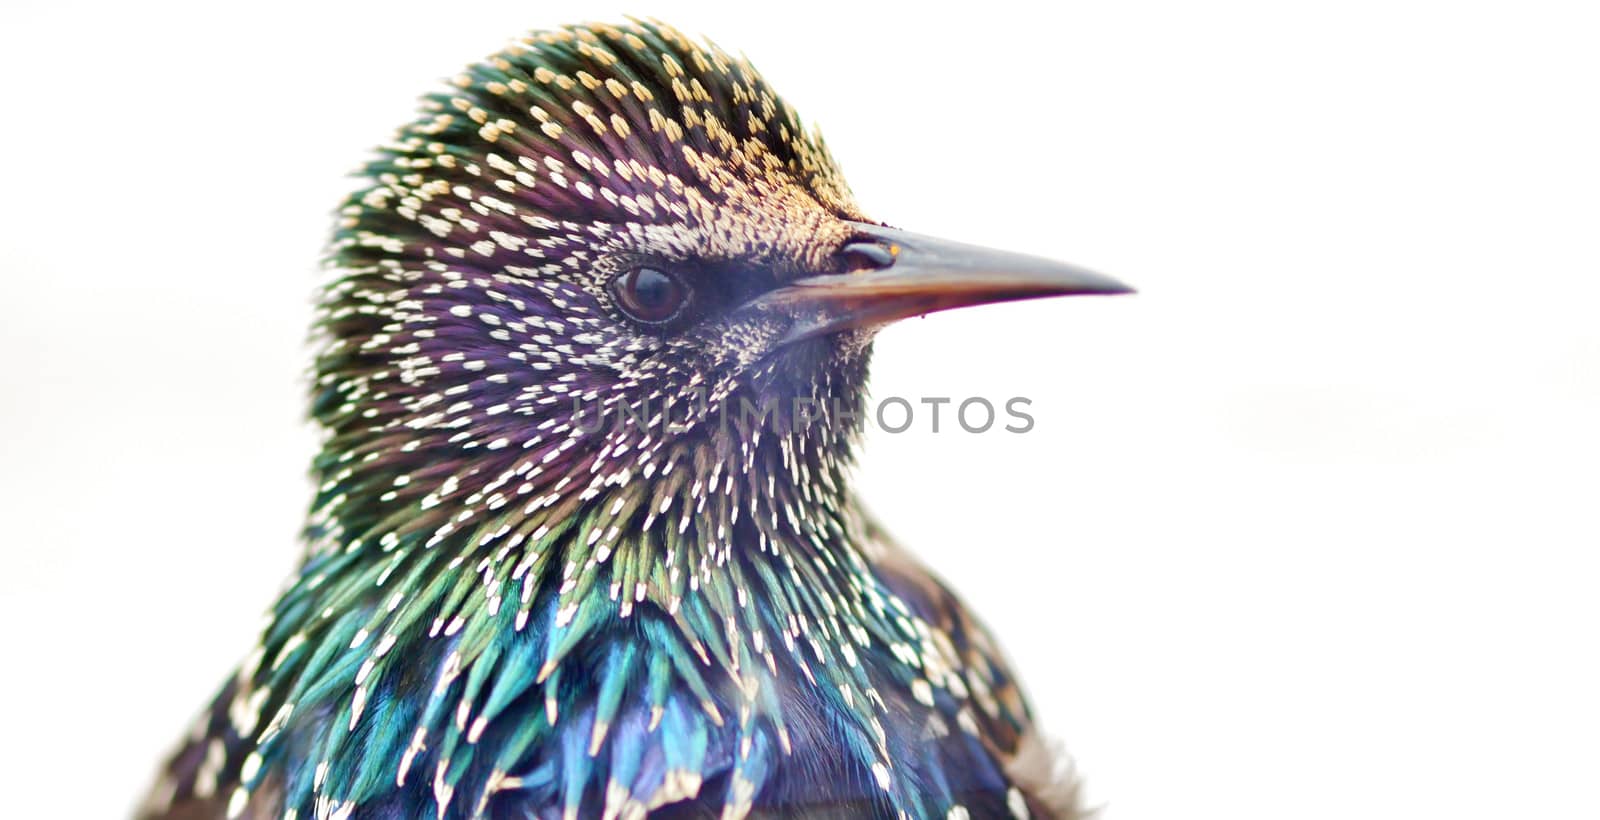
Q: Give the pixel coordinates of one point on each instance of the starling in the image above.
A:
(591, 367)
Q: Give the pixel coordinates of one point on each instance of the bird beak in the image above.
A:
(900, 274)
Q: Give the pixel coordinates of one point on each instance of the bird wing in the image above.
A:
(196, 782)
(1040, 774)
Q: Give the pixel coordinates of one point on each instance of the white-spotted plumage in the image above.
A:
(485, 570)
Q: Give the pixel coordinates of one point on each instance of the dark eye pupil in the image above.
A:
(652, 290)
(648, 295)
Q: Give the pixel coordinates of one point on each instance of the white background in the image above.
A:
(1307, 529)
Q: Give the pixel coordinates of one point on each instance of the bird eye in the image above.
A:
(650, 296)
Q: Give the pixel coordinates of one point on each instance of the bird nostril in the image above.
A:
(866, 255)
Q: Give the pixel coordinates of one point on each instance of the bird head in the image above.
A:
(613, 223)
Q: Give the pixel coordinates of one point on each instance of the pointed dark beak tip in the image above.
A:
(1066, 280)
(1102, 285)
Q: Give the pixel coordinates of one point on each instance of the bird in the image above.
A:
(590, 372)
